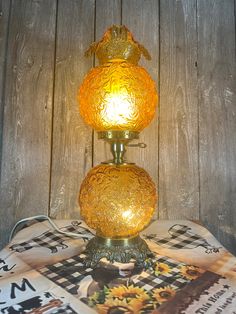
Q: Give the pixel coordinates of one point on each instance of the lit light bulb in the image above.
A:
(117, 108)
(127, 214)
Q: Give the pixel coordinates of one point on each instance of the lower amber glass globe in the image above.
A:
(118, 95)
(117, 200)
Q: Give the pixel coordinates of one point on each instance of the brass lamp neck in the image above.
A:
(118, 141)
(118, 151)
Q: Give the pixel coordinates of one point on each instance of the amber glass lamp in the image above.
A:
(118, 99)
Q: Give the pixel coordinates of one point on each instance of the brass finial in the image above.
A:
(118, 43)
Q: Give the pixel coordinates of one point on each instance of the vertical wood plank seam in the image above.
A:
(52, 111)
(4, 84)
(159, 98)
(198, 119)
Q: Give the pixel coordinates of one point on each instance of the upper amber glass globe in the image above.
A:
(117, 201)
(118, 95)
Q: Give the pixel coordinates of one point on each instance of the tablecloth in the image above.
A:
(42, 272)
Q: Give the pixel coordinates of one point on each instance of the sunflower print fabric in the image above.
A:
(144, 293)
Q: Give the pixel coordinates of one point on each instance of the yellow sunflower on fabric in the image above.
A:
(162, 269)
(115, 306)
(190, 272)
(130, 292)
(139, 303)
(163, 294)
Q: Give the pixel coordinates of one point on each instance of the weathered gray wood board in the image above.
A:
(72, 139)
(178, 147)
(191, 145)
(26, 143)
(217, 118)
(4, 26)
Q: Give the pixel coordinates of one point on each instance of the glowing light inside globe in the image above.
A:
(117, 201)
(118, 96)
(117, 108)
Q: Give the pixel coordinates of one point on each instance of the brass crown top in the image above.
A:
(118, 43)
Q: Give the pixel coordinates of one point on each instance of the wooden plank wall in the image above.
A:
(72, 139)
(27, 116)
(178, 147)
(45, 147)
(217, 118)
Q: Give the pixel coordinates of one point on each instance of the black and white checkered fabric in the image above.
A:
(52, 239)
(148, 280)
(67, 273)
(70, 272)
(181, 237)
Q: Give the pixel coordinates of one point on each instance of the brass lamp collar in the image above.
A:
(125, 136)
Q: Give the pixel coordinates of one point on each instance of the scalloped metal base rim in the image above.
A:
(116, 250)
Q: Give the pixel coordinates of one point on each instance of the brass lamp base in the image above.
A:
(116, 250)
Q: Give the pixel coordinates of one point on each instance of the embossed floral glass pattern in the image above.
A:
(117, 201)
(118, 95)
